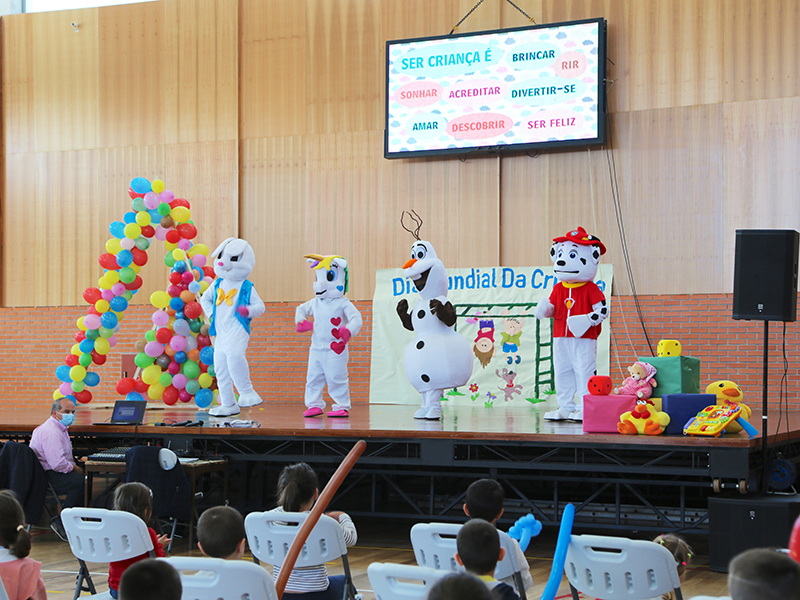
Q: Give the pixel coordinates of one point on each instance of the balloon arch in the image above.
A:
(175, 359)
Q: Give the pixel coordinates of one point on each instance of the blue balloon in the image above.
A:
(180, 357)
(140, 185)
(155, 216)
(207, 355)
(203, 398)
(124, 258)
(91, 379)
(134, 396)
(118, 303)
(178, 267)
(560, 556)
(62, 373)
(86, 345)
(129, 217)
(108, 320)
(71, 398)
(117, 229)
(179, 315)
(176, 303)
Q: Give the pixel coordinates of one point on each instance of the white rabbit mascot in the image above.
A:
(578, 307)
(231, 302)
(336, 320)
(438, 358)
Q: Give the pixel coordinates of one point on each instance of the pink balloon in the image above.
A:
(107, 295)
(184, 244)
(174, 368)
(127, 243)
(161, 233)
(179, 381)
(177, 343)
(91, 321)
(184, 396)
(153, 349)
(151, 200)
(198, 260)
(160, 318)
(112, 341)
(166, 196)
(65, 388)
(118, 288)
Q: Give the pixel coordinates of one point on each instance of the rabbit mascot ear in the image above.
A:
(231, 303)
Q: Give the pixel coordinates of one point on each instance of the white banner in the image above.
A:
(511, 353)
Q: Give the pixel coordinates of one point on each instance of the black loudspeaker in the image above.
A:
(765, 274)
(738, 524)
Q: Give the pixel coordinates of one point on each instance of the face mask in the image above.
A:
(67, 419)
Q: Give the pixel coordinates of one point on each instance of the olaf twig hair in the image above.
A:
(417, 221)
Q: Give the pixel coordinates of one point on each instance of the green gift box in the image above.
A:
(675, 374)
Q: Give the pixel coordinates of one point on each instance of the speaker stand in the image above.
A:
(764, 472)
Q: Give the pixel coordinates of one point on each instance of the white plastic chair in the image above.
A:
(220, 579)
(270, 535)
(435, 547)
(383, 577)
(616, 568)
(3, 594)
(98, 535)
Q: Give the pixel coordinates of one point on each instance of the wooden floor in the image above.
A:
(378, 542)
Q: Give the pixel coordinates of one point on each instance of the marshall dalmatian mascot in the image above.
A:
(577, 307)
(438, 358)
(336, 320)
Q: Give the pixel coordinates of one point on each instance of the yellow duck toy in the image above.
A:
(727, 392)
(643, 420)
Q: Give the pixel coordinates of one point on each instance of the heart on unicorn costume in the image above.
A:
(338, 347)
(335, 332)
(336, 321)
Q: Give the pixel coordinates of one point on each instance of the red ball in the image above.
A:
(209, 272)
(173, 237)
(80, 336)
(179, 202)
(175, 277)
(135, 284)
(203, 340)
(170, 396)
(99, 359)
(174, 291)
(71, 360)
(133, 194)
(84, 396)
(92, 295)
(187, 231)
(148, 231)
(108, 261)
(164, 335)
(140, 386)
(139, 256)
(192, 310)
(125, 386)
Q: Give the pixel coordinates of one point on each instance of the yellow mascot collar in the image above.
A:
(566, 285)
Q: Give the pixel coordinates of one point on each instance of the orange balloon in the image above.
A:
(194, 355)
(168, 350)
(187, 296)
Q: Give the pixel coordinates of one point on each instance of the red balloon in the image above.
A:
(92, 295)
(139, 256)
(140, 386)
(173, 237)
(187, 277)
(192, 310)
(203, 340)
(184, 396)
(108, 261)
(93, 311)
(203, 367)
(175, 277)
(148, 231)
(125, 386)
(183, 286)
(179, 202)
(187, 230)
(209, 272)
(170, 396)
(174, 291)
(84, 396)
(80, 336)
(135, 284)
(71, 360)
(99, 359)
(163, 335)
(133, 194)
(174, 368)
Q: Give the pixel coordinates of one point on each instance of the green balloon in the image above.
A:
(150, 335)
(138, 204)
(164, 209)
(142, 360)
(92, 334)
(127, 275)
(211, 371)
(84, 360)
(165, 379)
(142, 243)
(192, 387)
(128, 295)
(169, 260)
(194, 325)
(191, 369)
(105, 332)
(78, 386)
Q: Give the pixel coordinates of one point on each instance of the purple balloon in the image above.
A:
(154, 349)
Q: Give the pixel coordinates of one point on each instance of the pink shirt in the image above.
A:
(50, 441)
(21, 577)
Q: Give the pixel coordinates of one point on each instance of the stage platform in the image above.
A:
(419, 470)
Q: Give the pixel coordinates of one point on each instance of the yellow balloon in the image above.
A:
(120, 315)
(143, 218)
(180, 214)
(101, 345)
(159, 299)
(113, 246)
(205, 380)
(155, 391)
(75, 350)
(157, 186)
(57, 394)
(178, 254)
(170, 246)
(77, 373)
(203, 286)
(81, 326)
(151, 374)
(132, 231)
(101, 306)
(198, 249)
(112, 276)
(135, 268)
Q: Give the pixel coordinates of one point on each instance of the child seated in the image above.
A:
(484, 500)
(220, 533)
(479, 551)
(762, 574)
(682, 553)
(459, 586)
(298, 490)
(150, 579)
(135, 498)
(21, 576)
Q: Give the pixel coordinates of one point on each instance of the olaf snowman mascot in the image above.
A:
(577, 307)
(336, 320)
(438, 358)
(231, 302)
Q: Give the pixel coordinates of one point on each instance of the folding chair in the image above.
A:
(219, 579)
(270, 535)
(98, 535)
(435, 547)
(383, 577)
(616, 568)
(3, 594)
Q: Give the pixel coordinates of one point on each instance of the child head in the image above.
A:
(679, 548)
(135, 498)
(484, 500)
(13, 534)
(478, 545)
(150, 579)
(220, 533)
(459, 586)
(762, 574)
(297, 486)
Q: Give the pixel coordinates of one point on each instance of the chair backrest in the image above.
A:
(171, 489)
(218, 579)
(383, 577)
(270, 535)
(435, 545)
(616, 568)
(100, 536)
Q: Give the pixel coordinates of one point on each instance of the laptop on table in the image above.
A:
(126, 412)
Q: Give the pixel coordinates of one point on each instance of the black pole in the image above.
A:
(764, 412)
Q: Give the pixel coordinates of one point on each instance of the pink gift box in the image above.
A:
(601, 413)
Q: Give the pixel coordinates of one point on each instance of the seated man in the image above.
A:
(50, 441)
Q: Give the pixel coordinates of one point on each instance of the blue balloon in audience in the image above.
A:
(206, 356)
(62, 373)
(91, 379)
(140, 185)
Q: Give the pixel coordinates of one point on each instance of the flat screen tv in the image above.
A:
(496, 91)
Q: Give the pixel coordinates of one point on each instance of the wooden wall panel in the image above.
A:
(19, 232)
(17, 75)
